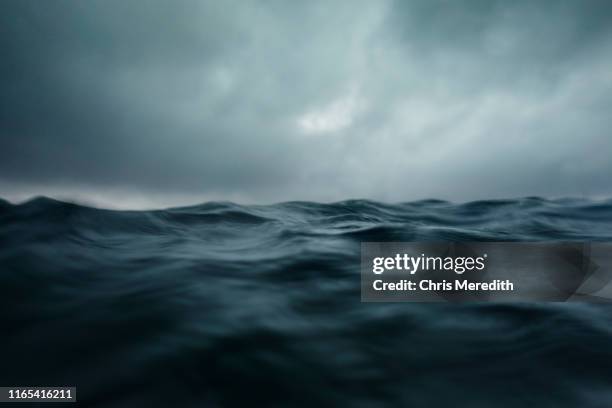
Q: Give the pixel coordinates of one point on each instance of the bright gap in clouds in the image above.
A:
(337, 115)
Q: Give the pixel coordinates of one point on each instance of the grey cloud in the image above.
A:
(272, 101)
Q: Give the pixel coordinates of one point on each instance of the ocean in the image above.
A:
(228, 305)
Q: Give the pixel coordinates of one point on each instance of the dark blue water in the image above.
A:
(227, 305)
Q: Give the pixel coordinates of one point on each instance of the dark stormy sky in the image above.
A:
(151, 103)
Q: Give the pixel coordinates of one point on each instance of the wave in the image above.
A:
(222, 304)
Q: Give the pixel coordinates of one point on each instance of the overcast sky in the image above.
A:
(154, 103)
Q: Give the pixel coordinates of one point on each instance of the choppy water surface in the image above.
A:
(227, 305)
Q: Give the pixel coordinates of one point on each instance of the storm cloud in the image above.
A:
(144, 103)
